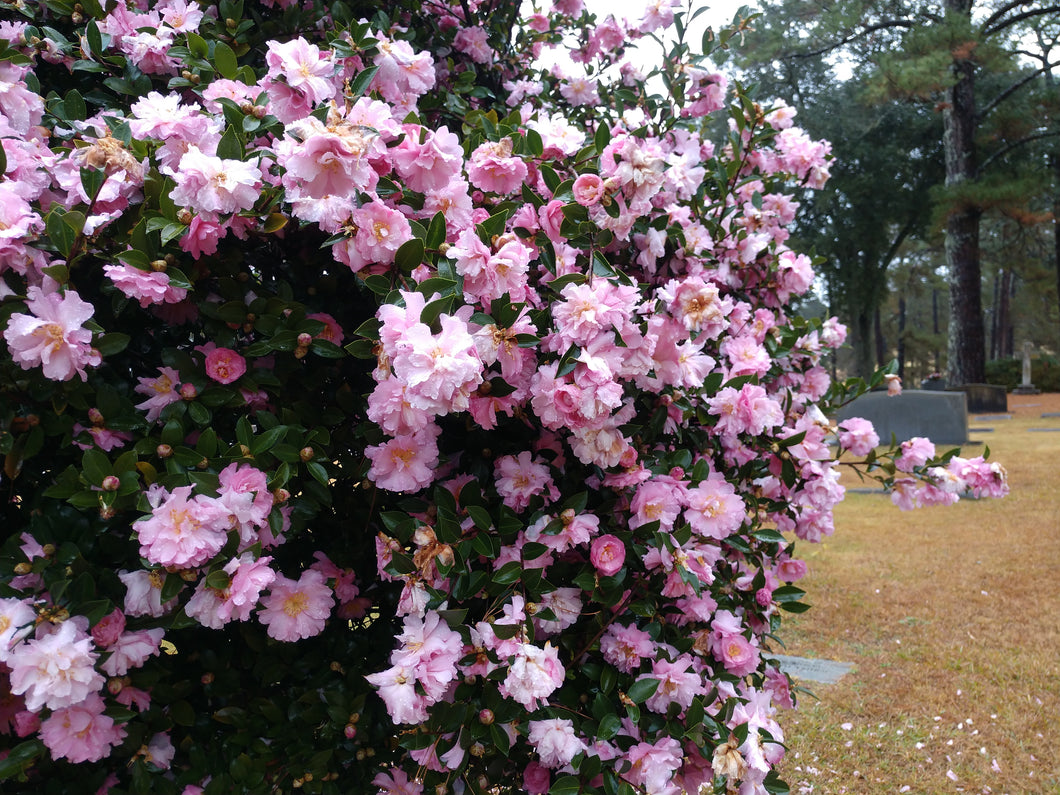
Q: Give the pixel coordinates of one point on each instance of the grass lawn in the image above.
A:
(952, 618)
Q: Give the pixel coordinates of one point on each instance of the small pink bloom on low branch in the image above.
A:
(225, 366)
(858, 436)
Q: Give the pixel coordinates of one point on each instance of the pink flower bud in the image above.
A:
(111, 483)
(188, 391)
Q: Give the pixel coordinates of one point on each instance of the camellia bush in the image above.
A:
(384, 411)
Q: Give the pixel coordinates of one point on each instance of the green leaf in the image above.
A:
(642, 690)
(410, 255)
(511, 572)
(320, 475)
(360, 83)
(230, 147)
(112, 343)
(435, 232)
(265, 442)
(225, 60)
(609, 726)
(566, 785)
(95, 466)
(602, 137)
(20, 758)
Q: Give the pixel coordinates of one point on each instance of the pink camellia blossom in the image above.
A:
(554, 741)
(519, 479)
(588, 189)
(53, 337)
(492, 168)
(109, 628)
(536, 778)
(332, 331)
(131, 650)
(624, 647)
(533, 674)
(404, 74)
(678, 684)
(225, 366)
(915, 453)
(406, 463)
(858, 436)
(160, 390)
(296, 609)
(81, 732)
(21, 107)
(430, 164)
(736, 653)
(714, 508)
(749, 410)
(654, 766)
(395, 781)
(607, 554)
(182, 530)
(55, 671)
(381, 231)
(17, 621)
(473, 41)
(441, 370)
(209, 184)
(894, 384)
(147, 287)
(302, 67)
(143, 593)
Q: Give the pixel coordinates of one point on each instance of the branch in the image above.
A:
(1002, 11)
(1037, 12)
(891, 23)
(1006, 149)
(1012, 89)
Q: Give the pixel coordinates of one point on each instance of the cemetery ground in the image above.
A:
(952, 620)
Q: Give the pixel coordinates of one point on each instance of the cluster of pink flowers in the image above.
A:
(584, 425)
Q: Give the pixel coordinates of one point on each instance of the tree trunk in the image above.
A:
(1055, 163)
(966, 355)
(862, 343)
(881, 342)
(901, 336)
(1004, 321)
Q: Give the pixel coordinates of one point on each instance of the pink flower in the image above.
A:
(607, 554)
(431, 164)
(109, 628)
(161, 391)
(894, 384)
(225, 366)
(533, 674)
(332, 331)
(406, 463)
(473, 42)
(131, 651)
(654, 766)
(17, 622)
(297, 609)
(588, 190)
(55, 671)
(381, 231)
(858, 436)
(209, 184)
(536, 779)
(147, 287)
(143, 593)
(81, 732)
(492, 168)
(554, 741)
(677, 684)
(303, 67)
(441, 370)
(915, 453)
(183, 532)
(736, 653)
(521, 479)
(714, 508)
(53, 337)
(396, 782)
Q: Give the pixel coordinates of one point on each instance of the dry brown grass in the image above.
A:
(952, 618)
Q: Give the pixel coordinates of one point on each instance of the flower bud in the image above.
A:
(115, 685)
(305, 339)
(159, 265)
(188, 391)
(207, 678)
(95, 417)
(164, 451)
(111, 483)
(306, 454)
(485, 717)
(23, 568)
(350, 731)
(48, 550)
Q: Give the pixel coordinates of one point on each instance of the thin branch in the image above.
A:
(1037, 12)
(891, 23)
(1002, 11)
(1012, 89)
(1006, 149)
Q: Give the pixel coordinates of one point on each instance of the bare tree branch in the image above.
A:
(854, 36)
(1012, 89)
(1036, 12)
(1016, 144)
(1002, 11)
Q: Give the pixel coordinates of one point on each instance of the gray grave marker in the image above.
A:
(824, 671)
